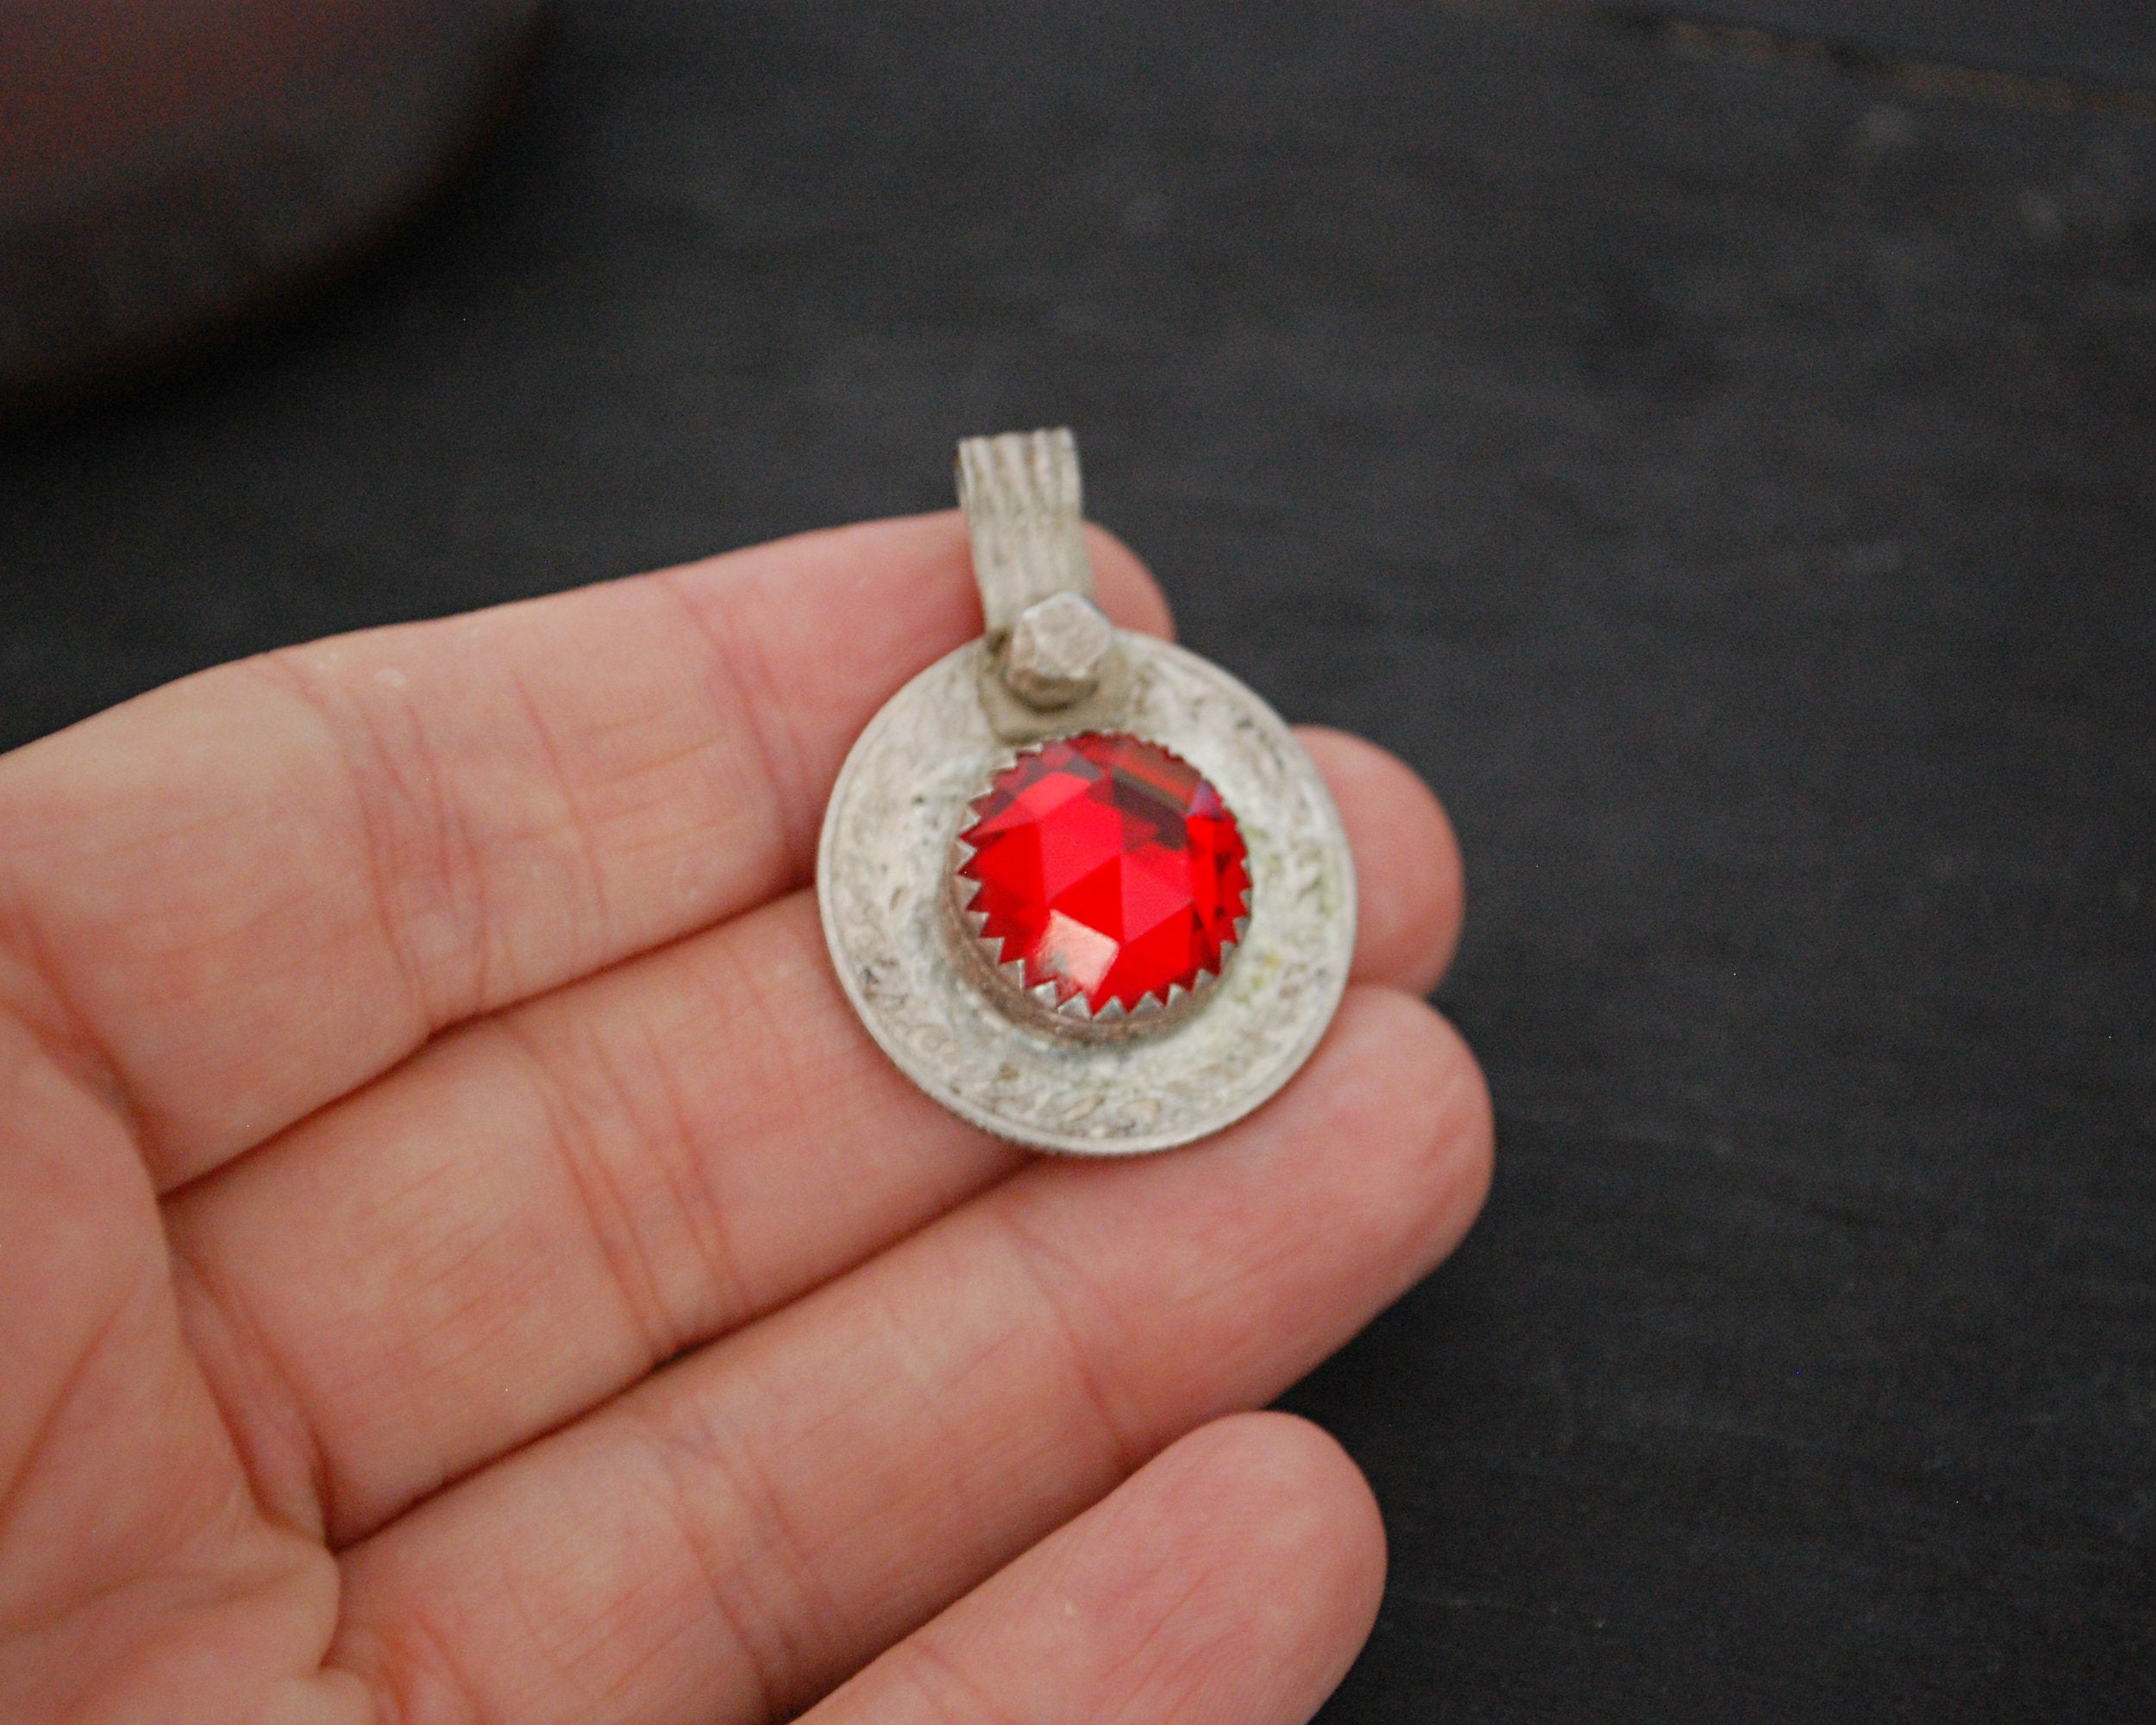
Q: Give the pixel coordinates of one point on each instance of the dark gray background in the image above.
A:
(1726, 470)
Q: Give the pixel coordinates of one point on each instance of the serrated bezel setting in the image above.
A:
(1067, 1011)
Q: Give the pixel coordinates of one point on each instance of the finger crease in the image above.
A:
(599, 1199)
(415, 1656)
(557, 770)
(974, 1704)
(679, 1464)
(283, 671)
(727, 1298)
(72, 1044)
(246, 1418)
(1036, 1257)
(100, 1334)
(744, 672)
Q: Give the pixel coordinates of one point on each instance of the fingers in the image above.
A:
(1412, 887)
(738, 1532)
(240, 896)
(121, 1504)
(533, 1213)
(1231, 1581)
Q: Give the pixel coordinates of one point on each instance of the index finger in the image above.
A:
(238, 897)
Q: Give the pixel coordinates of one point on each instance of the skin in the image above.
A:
(461, 1260)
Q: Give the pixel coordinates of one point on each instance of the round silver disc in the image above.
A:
(881, 880)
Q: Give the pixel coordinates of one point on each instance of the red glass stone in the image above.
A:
(1109, 866)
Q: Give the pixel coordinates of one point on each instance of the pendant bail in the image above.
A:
(1048, 642)
(1023, 502)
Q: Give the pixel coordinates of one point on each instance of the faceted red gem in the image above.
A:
(1109, 866)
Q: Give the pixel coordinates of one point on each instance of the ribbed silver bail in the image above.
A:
(1023, 506)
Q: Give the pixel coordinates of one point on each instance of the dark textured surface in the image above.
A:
(1735, 488)
(2099, 41)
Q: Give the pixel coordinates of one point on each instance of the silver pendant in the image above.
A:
(1084, 887)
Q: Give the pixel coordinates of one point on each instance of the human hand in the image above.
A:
(461, 1260)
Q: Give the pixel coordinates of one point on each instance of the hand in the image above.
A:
(461, 1260)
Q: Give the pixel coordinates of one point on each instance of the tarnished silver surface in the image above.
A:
(1023, 501)
(1056, 650)
(882, 883)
